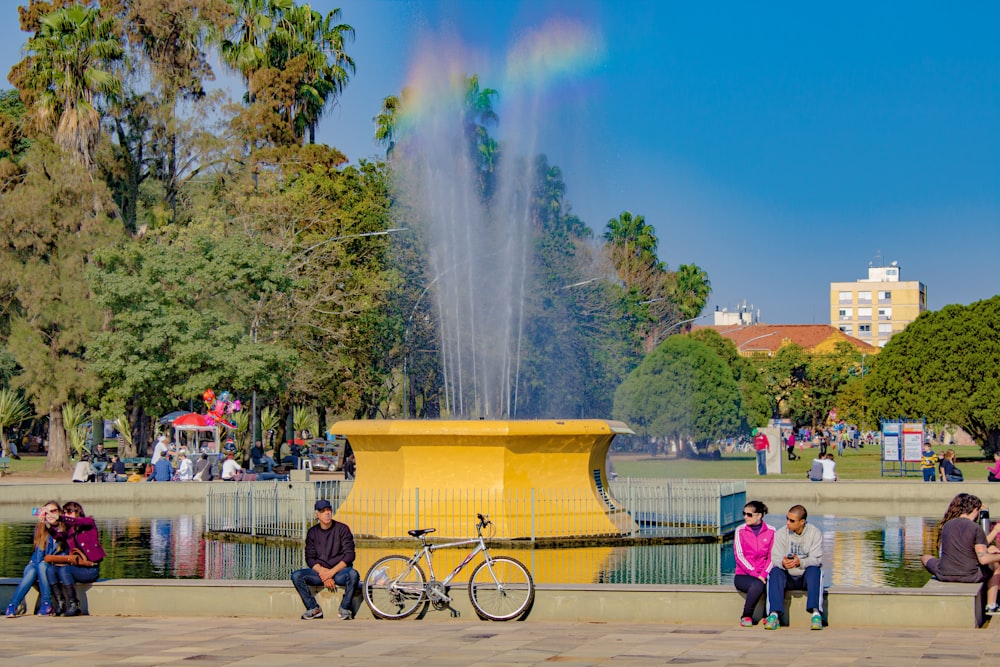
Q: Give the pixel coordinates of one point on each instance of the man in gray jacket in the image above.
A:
(796, 564)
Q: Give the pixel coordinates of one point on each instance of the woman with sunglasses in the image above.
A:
(35, 570)
(752, 547)
(78, 531)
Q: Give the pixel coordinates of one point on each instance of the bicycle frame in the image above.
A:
(426, 550)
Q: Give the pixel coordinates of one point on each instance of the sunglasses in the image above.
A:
(749, 513)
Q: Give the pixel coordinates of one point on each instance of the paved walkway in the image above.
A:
(86, 641)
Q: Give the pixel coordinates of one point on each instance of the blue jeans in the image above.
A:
(73, 574)
(33, 573)
(762, 462)
(306, 577)
(778, 581)
(929, 475)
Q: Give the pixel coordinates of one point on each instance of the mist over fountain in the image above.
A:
(479, 246)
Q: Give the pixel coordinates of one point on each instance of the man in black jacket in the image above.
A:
(330, 561)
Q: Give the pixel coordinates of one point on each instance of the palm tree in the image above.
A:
(68, 66)
(386, 123)
(691, 291)
(13, 411)
(632, 246)
(74, 416)
(243, 48)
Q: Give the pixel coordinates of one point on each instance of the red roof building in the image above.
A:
(766, 339)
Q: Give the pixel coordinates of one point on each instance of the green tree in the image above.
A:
(944, 367)
(691, 290)
(756, 403)
(182, 317)
(13, 411)
(243, 46)
(320, 41)
(52, 223)
(67, 69)
(682, 392)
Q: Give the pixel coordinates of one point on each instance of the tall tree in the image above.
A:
(944, 367)
(67, 69)
(321, 41)
(51, 224)
(683, 393)
(243, 46)
(691, 290)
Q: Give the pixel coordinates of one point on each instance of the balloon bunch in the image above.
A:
(219, 408)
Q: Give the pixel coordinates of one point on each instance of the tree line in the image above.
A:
(160, 238)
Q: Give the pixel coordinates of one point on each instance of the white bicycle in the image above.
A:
(500, 587)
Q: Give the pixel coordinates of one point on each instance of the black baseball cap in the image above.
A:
(322, 505)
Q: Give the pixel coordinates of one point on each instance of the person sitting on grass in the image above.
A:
(965, 552)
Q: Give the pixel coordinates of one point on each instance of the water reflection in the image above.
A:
(859, 551)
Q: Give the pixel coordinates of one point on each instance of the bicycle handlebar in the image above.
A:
(483, 521)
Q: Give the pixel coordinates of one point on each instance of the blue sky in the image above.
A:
(779, 146)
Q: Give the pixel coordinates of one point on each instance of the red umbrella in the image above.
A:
(192, 419)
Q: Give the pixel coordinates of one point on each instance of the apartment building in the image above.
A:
(873, 309)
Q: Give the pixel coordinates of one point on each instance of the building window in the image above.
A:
(882, 343)
(885, 313)
(864, 314)
(864, 297)
(885, 296)
(847, 329)
(845, 297)
(884, 329)
(864, 330)
(846, 313)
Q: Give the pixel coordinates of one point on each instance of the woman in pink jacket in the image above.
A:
(752, 547)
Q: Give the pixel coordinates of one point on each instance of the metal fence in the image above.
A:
(631, 508)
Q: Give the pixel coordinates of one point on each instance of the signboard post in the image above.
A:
(901, 447)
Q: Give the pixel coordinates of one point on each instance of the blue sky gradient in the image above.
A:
(780, 146)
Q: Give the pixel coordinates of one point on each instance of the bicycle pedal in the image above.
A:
(455, 613)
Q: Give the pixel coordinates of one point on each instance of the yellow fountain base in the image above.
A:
(536, 479)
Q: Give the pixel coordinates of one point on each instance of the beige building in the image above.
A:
(875, 308)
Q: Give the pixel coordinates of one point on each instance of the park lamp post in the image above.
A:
(682, 322)
(740, 346)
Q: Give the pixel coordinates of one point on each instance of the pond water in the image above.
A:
(859, 551)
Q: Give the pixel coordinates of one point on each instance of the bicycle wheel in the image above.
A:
(501, 589)
(394, 588)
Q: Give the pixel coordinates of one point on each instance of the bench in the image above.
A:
(4, 465)
(135, 463)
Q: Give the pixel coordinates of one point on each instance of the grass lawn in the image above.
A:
(854, 464)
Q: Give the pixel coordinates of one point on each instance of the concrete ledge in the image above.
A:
(938, 605)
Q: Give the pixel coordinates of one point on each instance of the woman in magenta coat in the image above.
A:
(78, 531)
(752, 548)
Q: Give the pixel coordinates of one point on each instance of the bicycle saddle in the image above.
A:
(420, 532)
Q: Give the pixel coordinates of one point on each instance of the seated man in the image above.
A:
(162, 470)
(118, 472)
(796, 564)
(231, 470)
(260, 458)
(99, 461)
(330, 561)
(965, 554)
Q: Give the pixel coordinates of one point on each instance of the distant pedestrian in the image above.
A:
(761, 444)
(790, 445)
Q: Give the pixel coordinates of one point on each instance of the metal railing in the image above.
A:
(628, 507)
